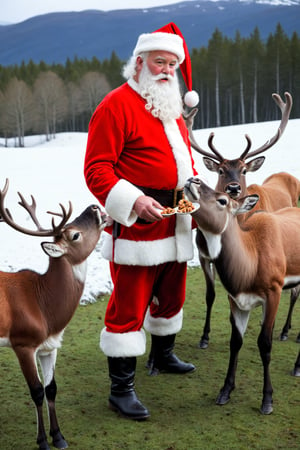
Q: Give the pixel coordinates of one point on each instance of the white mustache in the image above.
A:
(162, 76)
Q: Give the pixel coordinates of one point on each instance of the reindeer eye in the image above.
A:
(222, 201)
(221, 171)
(244, 171)
(75, 236)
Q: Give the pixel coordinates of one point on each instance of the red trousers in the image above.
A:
(134, 289)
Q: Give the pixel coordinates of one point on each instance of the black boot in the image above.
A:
(122, 397)
(162, 358)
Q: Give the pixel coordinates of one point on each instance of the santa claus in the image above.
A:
(137, 161)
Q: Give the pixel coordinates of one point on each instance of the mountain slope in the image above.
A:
(57, 36)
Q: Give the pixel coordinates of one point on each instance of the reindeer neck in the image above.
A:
(236, 262)
(61, 289)
(212, 246)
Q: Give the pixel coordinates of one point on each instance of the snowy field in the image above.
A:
(53, 173)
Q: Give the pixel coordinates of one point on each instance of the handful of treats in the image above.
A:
(184, 207)
(168, 210)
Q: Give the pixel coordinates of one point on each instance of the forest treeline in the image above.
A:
(235, 79)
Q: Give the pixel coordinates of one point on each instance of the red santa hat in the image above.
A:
(170, 39)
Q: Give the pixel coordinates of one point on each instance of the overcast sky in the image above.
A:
(13, 11)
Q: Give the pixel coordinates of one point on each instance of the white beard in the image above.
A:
(163, 99)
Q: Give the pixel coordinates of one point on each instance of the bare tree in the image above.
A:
(16, 111)
(94, 86)
(52, 103)
(74, 103)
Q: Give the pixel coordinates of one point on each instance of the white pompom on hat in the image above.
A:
(170, 39)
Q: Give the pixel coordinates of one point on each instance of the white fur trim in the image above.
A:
(180, 152)
(168, 42)
(161, 326)
(120, 201)
(184, 238)
(191, 99)
(123, 345)
(134, 85)
(140, 253)
(150, 253)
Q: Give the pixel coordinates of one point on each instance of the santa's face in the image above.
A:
(162, 64)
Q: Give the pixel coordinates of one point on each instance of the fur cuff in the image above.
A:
(123, 345)
(161, 326)
(120, 201)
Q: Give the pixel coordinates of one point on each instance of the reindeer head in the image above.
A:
(232, 173)
(75, 240)
(215, 207)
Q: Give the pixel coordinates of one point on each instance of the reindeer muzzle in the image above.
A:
(101, 216)
(233, 190)
(191, 190)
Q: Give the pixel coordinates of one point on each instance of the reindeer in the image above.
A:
(255, 260)
(35, 308)
(277, 191)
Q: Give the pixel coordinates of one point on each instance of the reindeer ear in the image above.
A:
(246, 204)
(255, 164)
(52, 249)
(210, 164)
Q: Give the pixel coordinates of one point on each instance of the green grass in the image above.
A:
(184, 415)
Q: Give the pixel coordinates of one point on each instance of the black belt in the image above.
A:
(166, 198)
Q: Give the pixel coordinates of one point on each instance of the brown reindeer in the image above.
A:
(277, 191)
(35, 308)
(255, 261)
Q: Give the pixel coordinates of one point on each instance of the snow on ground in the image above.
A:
(53, 173)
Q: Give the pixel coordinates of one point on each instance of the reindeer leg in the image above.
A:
(296, 370)
(47, 361)
(27, 362)
(264, 343)
(288, 324)
(239, 321)
(209, 274)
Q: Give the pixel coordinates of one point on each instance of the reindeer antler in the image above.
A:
(189, 121)
(285, 114)
(31, 209)
(216, 155)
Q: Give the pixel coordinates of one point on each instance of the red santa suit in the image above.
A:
(129, 148)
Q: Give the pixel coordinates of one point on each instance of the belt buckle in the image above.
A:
(176, 190)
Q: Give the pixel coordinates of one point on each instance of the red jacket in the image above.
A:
(128, 147)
